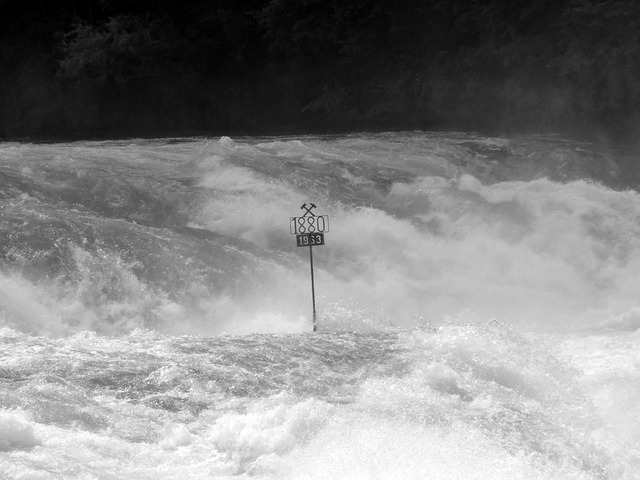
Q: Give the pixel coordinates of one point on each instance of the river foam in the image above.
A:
(477, 309)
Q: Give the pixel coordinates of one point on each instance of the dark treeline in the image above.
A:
(150, 67)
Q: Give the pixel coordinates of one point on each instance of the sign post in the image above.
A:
(313, 290)
(309, 230)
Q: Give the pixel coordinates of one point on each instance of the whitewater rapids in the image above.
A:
(478, 309)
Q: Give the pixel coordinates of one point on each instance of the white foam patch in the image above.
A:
(16, 433)
(354, 450)
(247, 206)
(611, 366)
(23, 305)
(107, 298)
(271, 428)
(178, 436)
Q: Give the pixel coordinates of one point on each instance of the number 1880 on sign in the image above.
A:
(310, 239)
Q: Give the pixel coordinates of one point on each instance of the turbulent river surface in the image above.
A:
(478, 309)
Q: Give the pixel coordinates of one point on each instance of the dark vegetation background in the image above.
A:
(161, 67)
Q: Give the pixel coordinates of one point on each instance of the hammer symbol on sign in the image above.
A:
(308, 210)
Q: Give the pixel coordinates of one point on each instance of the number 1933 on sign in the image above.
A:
(310, 239)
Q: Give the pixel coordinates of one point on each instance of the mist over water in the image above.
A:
(477, 306)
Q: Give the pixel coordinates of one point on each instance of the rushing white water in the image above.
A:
(477, 297)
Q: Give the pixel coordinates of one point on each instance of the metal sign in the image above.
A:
(309, 230)
(310, 239)
(315, 224)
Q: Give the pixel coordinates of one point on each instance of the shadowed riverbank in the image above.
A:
(105, 68)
